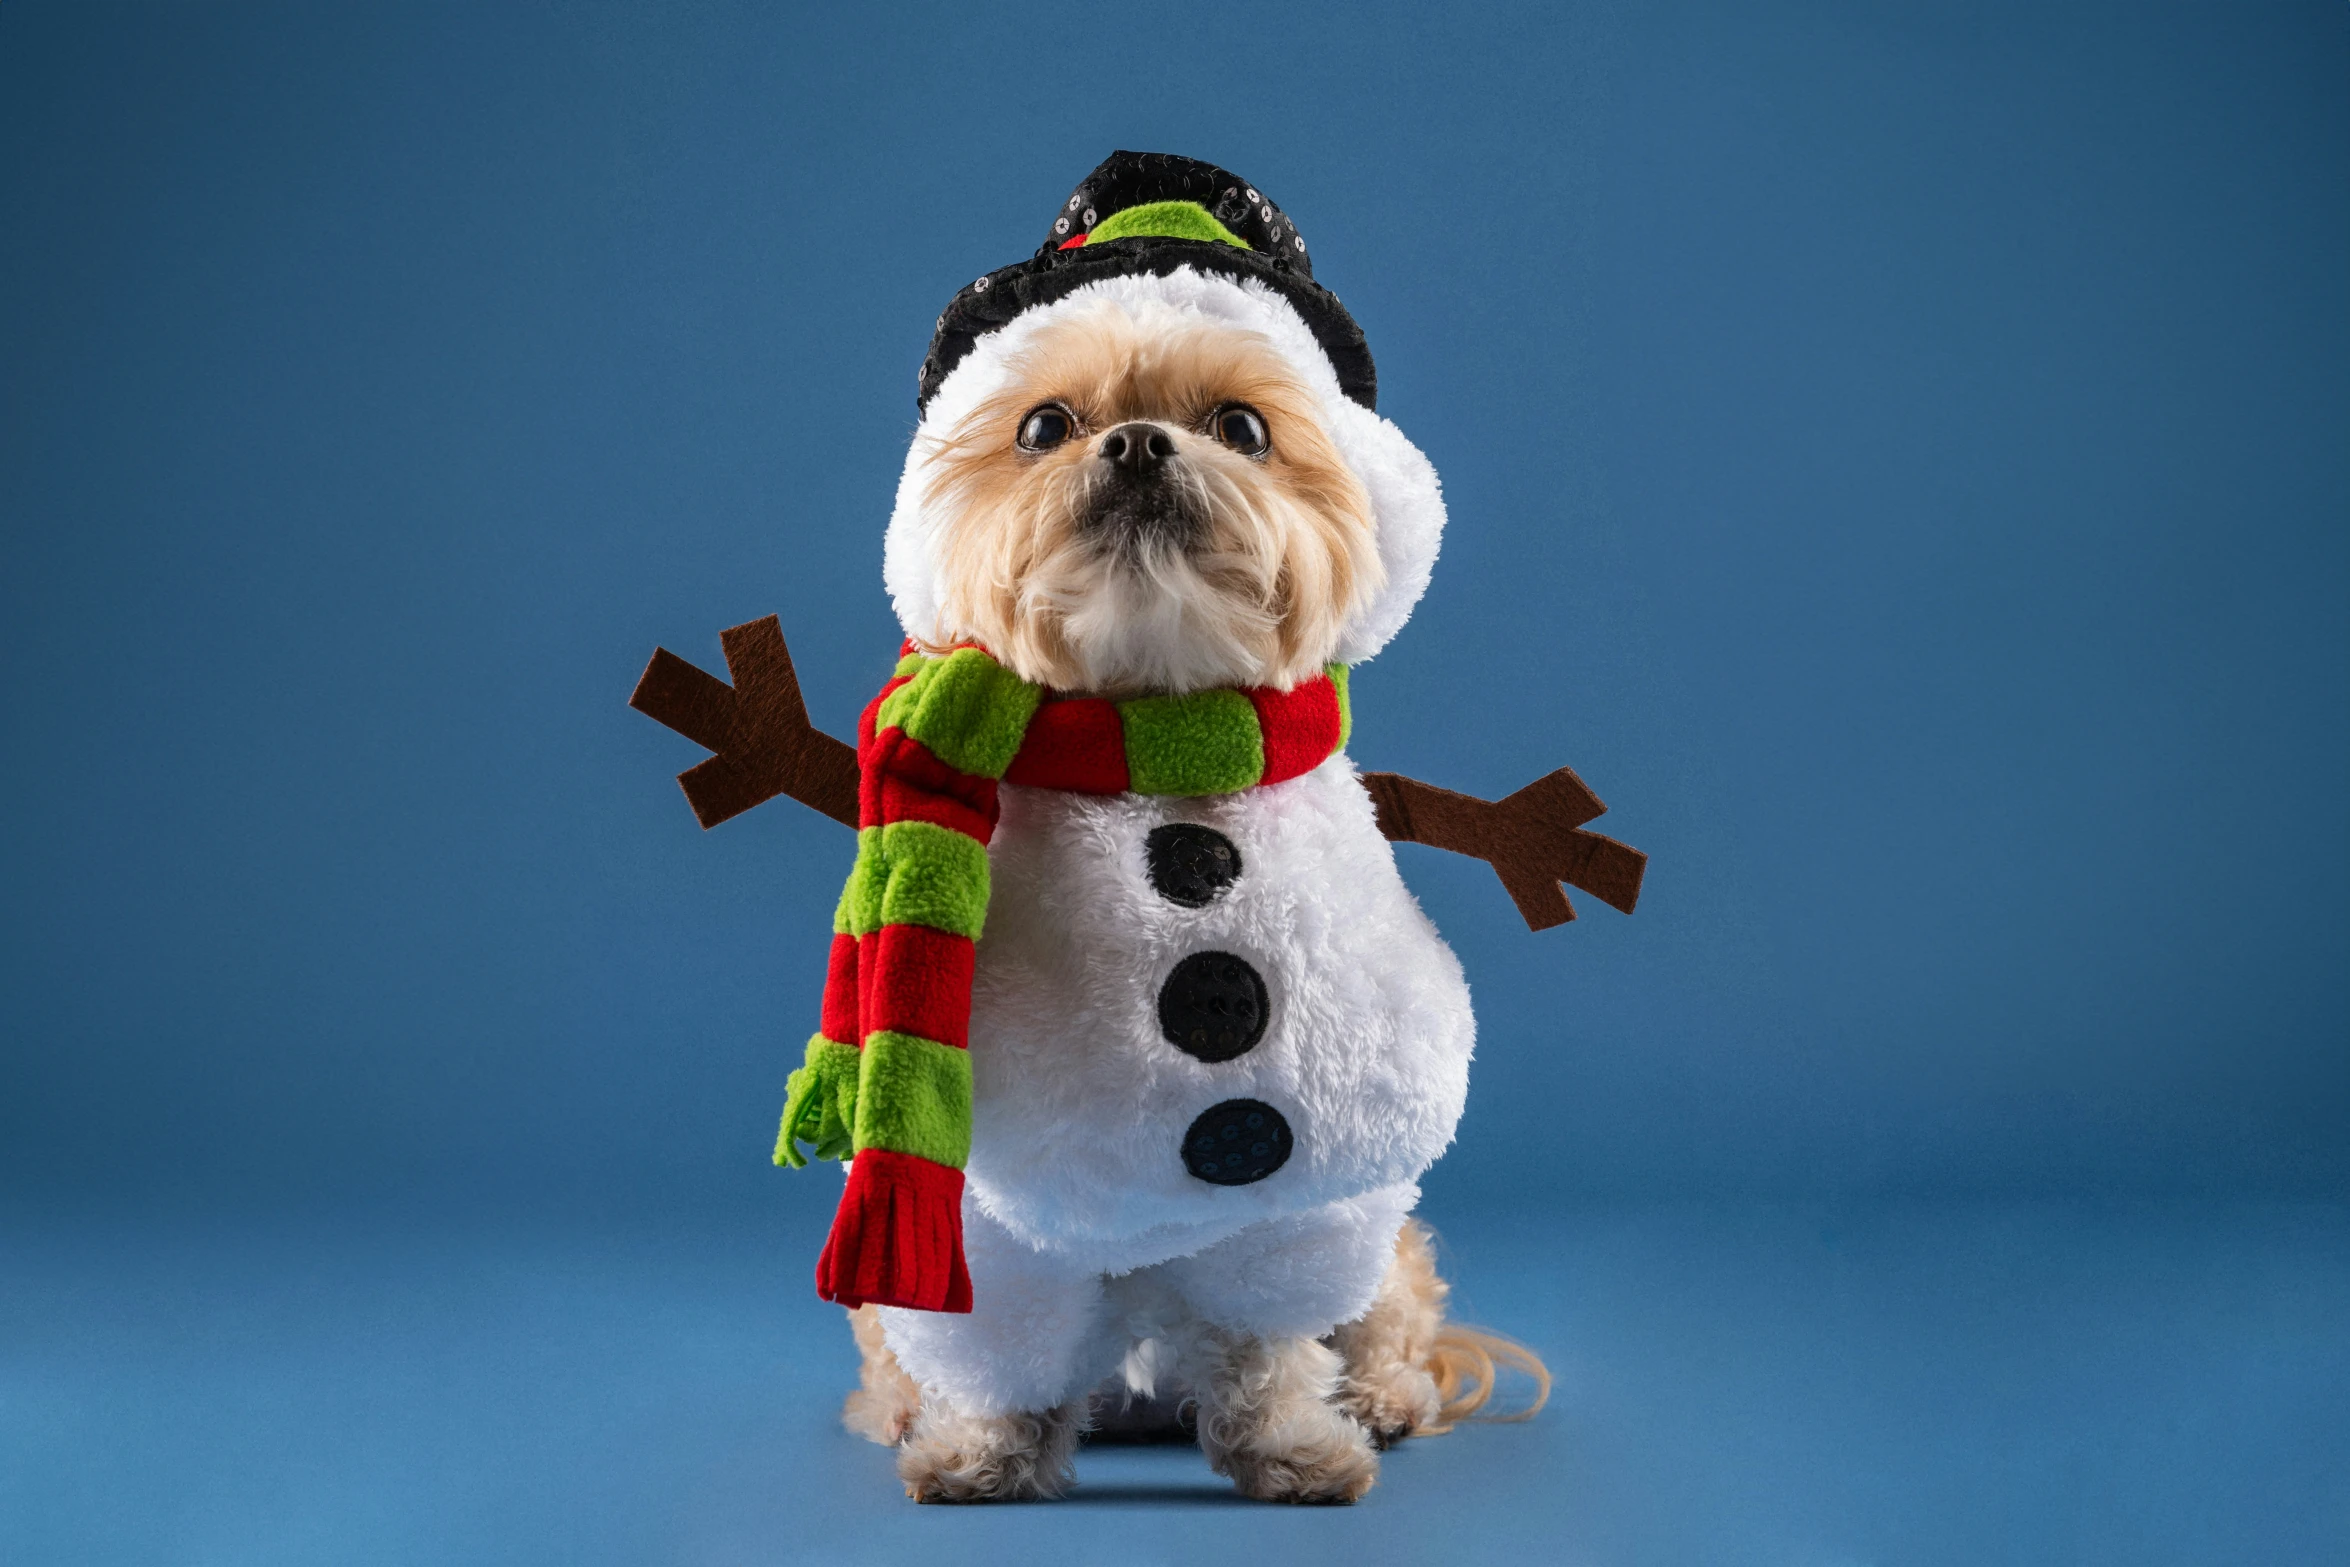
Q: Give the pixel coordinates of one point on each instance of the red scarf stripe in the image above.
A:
(1077, 743)
(898, 1237)
(868, 978)
(901, 781)
(868, 720)
(840, 992)
(1300, 727)
(868, 776)
(922, 984)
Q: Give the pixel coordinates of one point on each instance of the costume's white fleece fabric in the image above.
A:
(1080, 1104)
(1407, 504)
(1081, 1223)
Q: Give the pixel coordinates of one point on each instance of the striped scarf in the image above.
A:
(888, 1076)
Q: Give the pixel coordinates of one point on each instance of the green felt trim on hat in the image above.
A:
(915, 873)
(1346, 708)
(1164, 220)
(966, 709)
(914, 1097)
(819, 1104)
(1206, 743)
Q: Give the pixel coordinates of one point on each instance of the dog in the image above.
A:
(1152, 487)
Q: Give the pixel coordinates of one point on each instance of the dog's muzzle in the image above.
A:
(1139, 493)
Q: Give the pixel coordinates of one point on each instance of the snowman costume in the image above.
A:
(1213, 1042)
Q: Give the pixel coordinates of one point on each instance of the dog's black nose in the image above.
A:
(1138, 448)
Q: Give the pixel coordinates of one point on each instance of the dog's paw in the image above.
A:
(948, 1456)
(1317, 1463)
(882, 1415)
(886, 1401)
(1392, 1404)
(1271, 1420)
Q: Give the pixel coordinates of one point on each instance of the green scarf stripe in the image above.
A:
(1346, 708)
(915, 873)
(819, 1104)
(914, 1097)
(909, 665)
(966, 709)
(1206, 743)
(852, 893)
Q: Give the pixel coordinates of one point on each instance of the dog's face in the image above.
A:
(1151, 505)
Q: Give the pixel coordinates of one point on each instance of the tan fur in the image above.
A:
(953, 1457)
(1388, 1385)
(1465, 1367)
(1409, 1372)
(1269, 1418)
(883, 1407)
(1287, 550)
(1399, 1370)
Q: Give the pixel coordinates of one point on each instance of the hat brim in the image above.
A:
(991, 303)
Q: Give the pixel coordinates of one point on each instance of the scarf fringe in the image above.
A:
(820, 1105)
(898, 1237)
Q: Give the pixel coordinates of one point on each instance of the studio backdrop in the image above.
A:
(1894, 457)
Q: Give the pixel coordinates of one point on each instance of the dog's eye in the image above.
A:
(1046, 428)
(1238, 426)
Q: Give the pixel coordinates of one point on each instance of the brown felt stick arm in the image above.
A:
(1532, 839)
(758, 726)
(697, 705)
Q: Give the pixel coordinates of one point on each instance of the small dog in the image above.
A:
(1150, 495)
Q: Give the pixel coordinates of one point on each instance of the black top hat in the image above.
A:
(1153, 212)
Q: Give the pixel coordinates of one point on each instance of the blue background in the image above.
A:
(1897, 455)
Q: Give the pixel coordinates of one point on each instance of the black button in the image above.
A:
(1214, 1006)
(1236, 1142)
(1189, 864)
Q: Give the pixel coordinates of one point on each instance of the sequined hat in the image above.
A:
(1155, 212)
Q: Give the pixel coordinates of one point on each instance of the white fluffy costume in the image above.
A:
(1084, 1220)
(1132, 1027)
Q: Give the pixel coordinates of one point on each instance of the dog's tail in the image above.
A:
(1467, 1364)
